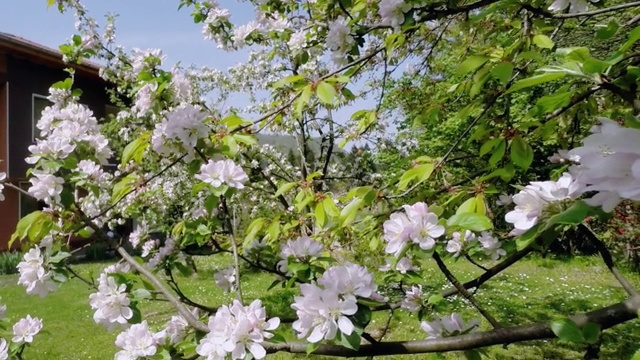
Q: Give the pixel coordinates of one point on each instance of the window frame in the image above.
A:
(34, 121)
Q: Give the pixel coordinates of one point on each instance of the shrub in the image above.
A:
(9, 262)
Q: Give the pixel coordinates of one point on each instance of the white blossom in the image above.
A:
(412, 300)
(417, 225)
(491, 245)
(25, 329)
(111, 303)
(136, 342)
(446, 326)
(4, 350)
(226, 278)
(321, 313)
(392, 12)
(33, 276)
(237, 330)
(217, 173)
(575, 6)
(609, 165)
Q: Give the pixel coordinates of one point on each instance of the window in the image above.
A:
(39, 102)
(27, 203)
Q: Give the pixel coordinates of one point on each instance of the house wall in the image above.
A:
(20, 79)
(27, 78)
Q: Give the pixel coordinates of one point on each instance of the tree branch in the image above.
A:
(605, 317)
(463, 291)
(608, 260)
(547, 14)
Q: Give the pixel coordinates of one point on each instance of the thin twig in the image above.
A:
(463, 291)
(608, 259)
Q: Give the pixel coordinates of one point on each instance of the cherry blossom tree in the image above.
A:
(185, 149)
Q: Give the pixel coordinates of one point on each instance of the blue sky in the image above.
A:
(142, 23)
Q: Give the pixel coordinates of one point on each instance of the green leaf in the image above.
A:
(351, 341)
(124, 186)
(303, 99)
(550, 103)
(636, 356)
(330, 207)
(471, 64)
(59, 257)
(595, 66)
(468, 206)
(321, 218)
(567, 330)
(135, 149)
(535, 80)
(591, 332)
(479, 79)
(502, 71)
(607, 32)
(285, 188)
(326, 92)
(349, 212)
(527, 238)
(521, 153)
(488, 146)
(311, 347)
(470, 221)
(245, 139)
(575, 214)
(23, 227)
(287, 80)
(634, 35)
(472, 355)
(543, 41)
(498, 152)
(420, 173)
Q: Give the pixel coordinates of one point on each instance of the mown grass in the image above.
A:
(533, 290)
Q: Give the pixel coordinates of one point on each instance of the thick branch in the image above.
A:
(547, 14)
(605, 317)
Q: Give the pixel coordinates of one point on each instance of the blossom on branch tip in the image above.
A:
(25, 329)
(416, 225)
(218, 173)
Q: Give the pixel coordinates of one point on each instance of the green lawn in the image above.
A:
(530, 291)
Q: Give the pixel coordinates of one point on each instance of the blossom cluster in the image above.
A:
(536, 197)
(325, 307)
(23, 332)
(301, 249)
(111, 303)
(416, 225)
(33, 274)
(237, 330)
(217, 173)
